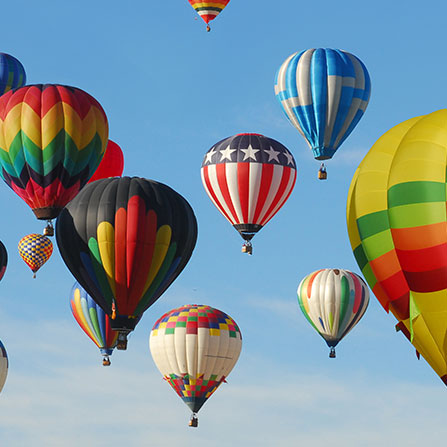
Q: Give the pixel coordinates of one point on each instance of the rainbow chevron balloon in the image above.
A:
(52, 139)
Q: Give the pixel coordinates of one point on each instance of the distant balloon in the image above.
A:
(3, 260)
(324, 93)
(208, 10)
(126, 240)
(12, 73)
(93, 321)
(35, 250)
(195, 347)
(333, 301)
(112, 164)
(248, 177)
(397, 225)
(52, 138)
(3, 365)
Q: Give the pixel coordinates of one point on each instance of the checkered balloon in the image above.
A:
(35, 250)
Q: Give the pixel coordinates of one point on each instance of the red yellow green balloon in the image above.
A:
(397, 224)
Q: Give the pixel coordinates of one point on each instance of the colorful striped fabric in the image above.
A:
(125, 240)
(397, 224)
(92, 320)
(12, 73)
(248, 177)
(3, 365)
(195, 347)
(52, 139)
(324, 93)
(333, 301)
(208, 10)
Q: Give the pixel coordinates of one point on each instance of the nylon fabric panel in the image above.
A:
(191, 354)
(231, 181)
(162, 241)
(80, 311)
(265, 185)
(243, 187)
(211, 186)
(255, 176)
(224, 186)
(281, 175)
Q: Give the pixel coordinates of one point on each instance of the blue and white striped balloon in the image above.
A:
(324, 93)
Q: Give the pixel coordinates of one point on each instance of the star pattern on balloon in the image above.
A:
(273, 155)
(226, 154)
(209, 155)
(250, 153)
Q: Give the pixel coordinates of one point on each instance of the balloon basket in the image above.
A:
(106, 361)
(194, 421)
(332, 353)
(208, 28)
(49, 229)
(247, 248)
(121, 343)
(322, 173)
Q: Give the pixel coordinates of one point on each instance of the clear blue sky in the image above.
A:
(170, 91)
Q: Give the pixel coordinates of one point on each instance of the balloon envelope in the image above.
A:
(12, 73)
(248, 177)
(397, 225)
(333, 301)
(208, 10)
(92, 320)
(35, 250)
(125, 240)
(324, 93)
(52, 138)
(195, 347)
(3, 365)
(112, 164)
(3, 260)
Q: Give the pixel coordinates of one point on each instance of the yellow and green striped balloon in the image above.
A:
(397, 224)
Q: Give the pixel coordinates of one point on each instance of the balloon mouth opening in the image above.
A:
(247, 231)
(48, 212)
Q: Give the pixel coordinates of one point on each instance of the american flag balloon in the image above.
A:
(248, 177)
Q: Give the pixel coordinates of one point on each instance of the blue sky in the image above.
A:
(170, 91)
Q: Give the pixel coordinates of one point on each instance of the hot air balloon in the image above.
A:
(195, 347)
(248, 177)
(208, 10)
(93, 321)
(52, 138)
(324, 93)
(333, 302)
(3, 260)
(112, 163)
(12, 73)
(397, 224)
(3, 365)
(35, 250)
(125, 240)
